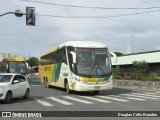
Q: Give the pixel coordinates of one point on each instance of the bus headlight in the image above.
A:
(78, 79)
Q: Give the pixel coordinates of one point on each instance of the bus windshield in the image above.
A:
(17, 67)
(93, 62)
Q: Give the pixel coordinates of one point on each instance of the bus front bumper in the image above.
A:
(83, 86)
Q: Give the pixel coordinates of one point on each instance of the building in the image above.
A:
(5, 55)
(126, 66)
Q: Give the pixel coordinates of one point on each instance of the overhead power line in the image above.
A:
(89, 7)
(107, 16)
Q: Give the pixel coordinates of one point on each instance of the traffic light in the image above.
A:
(30, 16)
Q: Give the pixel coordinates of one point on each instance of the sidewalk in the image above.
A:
(149, 85)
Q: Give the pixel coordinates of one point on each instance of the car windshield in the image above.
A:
(92, 62)
(5, 78)
(17, 67)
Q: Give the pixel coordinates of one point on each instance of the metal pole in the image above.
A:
(7, 13)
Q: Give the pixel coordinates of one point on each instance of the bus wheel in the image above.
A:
(46, 84)
(67, 88)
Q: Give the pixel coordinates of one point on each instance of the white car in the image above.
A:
(13, 85)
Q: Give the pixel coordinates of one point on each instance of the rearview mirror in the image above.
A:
(114, 58)
(73, 56)
(15, 81)
(7, 66)
(27, 65)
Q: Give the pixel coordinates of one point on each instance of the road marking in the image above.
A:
(151, 93)
(112, 98)
(60, 101)
(156, 93)
(79, 100)
(44, 103)
(37, 85)
(96, 99)
(139, 96)
(133, 98)
(146, 95)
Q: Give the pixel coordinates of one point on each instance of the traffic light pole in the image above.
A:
(7, 13)
(30, 15)
(17, 13)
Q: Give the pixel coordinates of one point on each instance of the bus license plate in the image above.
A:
(96, 87)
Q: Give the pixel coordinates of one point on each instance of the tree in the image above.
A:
(116, 72)
(141, 69)
(118, 53)
(33, 61)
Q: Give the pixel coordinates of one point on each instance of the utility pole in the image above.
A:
(132, 44)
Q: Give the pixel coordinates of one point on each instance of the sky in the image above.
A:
(125, 34)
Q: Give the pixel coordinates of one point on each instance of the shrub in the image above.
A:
(116, 72)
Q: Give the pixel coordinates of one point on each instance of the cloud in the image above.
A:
(49, 32)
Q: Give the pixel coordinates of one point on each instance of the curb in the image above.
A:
(149, 85)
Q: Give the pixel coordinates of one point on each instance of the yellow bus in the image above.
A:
(77, 66)
(14, 65)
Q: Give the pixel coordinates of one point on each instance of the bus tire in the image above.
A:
(46, 84)
(67, 88)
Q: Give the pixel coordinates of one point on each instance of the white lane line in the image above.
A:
(60, 101)
(156, 93)
(146, 95)
(151, 93)
(133, 98)
(112, 98)
(96, 99)
(44, 103)
(139, 96)
(37, 85)
(79, 100)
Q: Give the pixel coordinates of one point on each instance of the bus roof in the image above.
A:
(89, 44)
(16, 59)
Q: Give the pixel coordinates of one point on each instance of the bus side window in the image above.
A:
(62, 56)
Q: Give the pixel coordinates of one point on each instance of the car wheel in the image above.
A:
(8, 98)
(27, 94)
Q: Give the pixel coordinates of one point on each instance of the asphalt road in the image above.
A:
(55, 99)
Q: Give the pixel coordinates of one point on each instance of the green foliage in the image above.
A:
(33, 61)
(116, 72)
(118, 53)
(140, 70)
